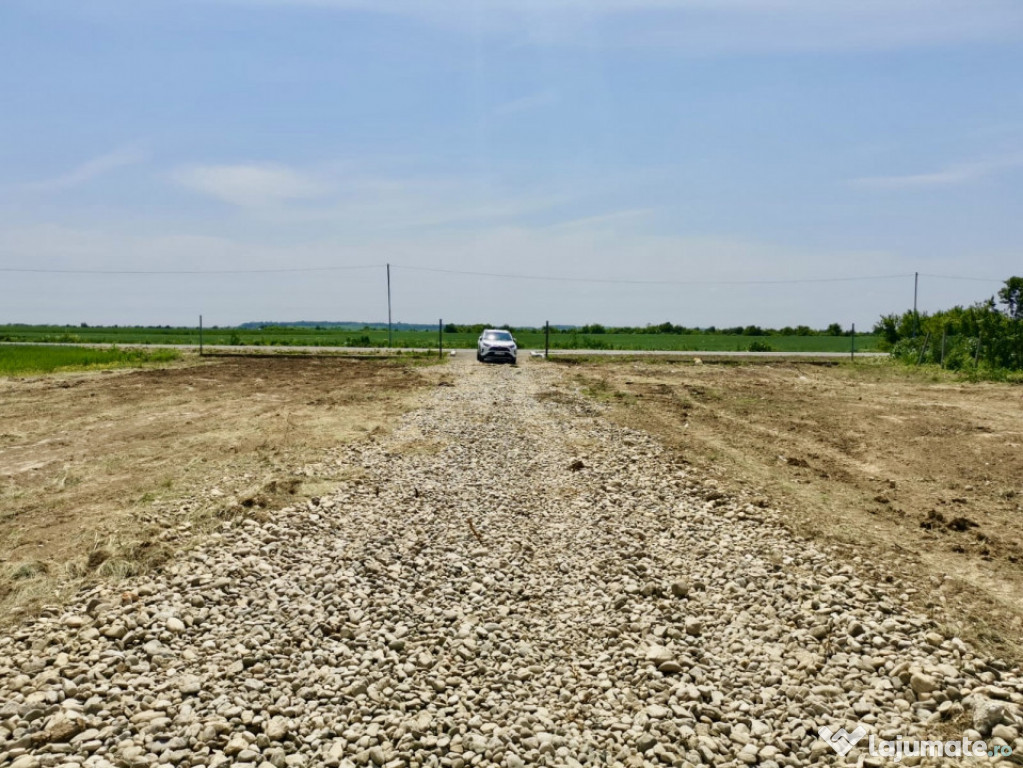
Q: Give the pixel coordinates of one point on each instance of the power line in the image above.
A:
(476, 273)
(184, 271)
(963, 277)
(505, 276)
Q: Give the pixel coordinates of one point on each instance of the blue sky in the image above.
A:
(687, 143)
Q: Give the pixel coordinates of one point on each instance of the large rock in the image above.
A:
(922, 683)
(987, 714)
(62, 727)
(659, 654)
(276, 729)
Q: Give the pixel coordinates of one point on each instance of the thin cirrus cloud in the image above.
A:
(710, 27)
(93, 169)
(527, 103)
(390, 204)
(950, 176)
(249, 186)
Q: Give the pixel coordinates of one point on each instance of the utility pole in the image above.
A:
(916, 317)
(389, 343)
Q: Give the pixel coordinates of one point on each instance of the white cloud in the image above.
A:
(526, 103)
(249, 186)
(610, 220)
(94, 168)
(952, 175)
(369, 205)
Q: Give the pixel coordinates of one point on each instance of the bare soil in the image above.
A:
(105, 474)
(916, 475)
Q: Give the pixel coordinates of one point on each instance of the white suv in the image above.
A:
(495, 345)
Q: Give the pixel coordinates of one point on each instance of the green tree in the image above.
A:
(888, 329)
(1011, 295)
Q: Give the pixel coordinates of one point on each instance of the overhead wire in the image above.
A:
(40, 270)
(498, 275)
(441, 270)
(615, 281)
(963, 277)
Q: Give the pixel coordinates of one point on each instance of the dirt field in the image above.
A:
(920, 475)
(103, 474)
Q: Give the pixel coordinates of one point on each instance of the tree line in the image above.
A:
(988, 333)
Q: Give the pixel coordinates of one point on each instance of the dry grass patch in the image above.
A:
(919, 475)
(106, 475)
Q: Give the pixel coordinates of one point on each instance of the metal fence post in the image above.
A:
(546, 339)
(923, 349)
(916, 316)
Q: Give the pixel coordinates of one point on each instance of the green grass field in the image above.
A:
(691, 342)
(16, 359)
(424, 339)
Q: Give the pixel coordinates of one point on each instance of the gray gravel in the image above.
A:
(507, 580)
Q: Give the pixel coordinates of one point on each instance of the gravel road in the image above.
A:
(508, 579)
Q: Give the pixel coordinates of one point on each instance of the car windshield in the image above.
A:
(497, 336)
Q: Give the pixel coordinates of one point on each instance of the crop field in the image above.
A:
(718, 342)
(334, 337)
(40, 358)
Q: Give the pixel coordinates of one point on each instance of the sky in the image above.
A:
(707, 162)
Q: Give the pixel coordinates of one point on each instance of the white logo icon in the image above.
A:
(843, 740)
